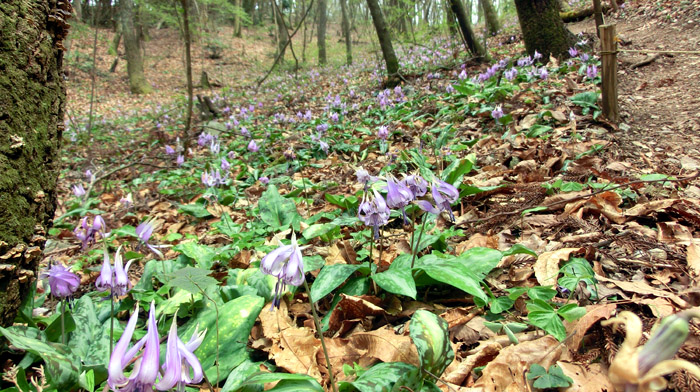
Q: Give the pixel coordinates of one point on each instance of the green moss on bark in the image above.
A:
(543, 29)
(31, 120)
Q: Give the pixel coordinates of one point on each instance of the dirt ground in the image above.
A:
(659, 102)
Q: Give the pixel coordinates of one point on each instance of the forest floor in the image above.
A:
(610, 213)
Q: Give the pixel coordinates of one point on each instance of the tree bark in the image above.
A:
(321, 34)
(281, 33)
(78, 10)
(132, 47)
(346, 31)
(188, 69)
(492, 23)
(32, 99)
(237, 19)
(465, 27)
(390, 59)
(542, 27)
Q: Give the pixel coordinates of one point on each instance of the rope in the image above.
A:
(652, 51)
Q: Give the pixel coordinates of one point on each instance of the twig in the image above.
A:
(289, 40)
(521, 210)
(646, 61)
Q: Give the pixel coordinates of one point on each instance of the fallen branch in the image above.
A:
(580, 14)
(650, 59)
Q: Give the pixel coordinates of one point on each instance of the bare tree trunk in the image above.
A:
(346, 31)
(78, 10)
(188, 69)
(321, 35)
(237, 20)
(134, 60)
(32, 98)
(543, 29)
(392, 62)
(281, 33)
(466, 29)
(492, 23)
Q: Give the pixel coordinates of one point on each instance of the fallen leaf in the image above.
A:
(643, 288)
(547, 265)
(589, 378)
(577, 330)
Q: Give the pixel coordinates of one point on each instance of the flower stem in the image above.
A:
(420, 235)
(111, 322)
(63, 321)
(320, 335)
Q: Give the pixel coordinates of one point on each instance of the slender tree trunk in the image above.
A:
(392, 62)
(466, 29)
(78, 10)
(281, 33)
(346, 31)
(321, 34)
(32, 98)
(134, 60)
(449, 18)
(237, 19)
(188, 68)
(543, 29)
(492, 23)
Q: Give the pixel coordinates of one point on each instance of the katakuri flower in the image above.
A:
(398, 195)
(641, 369)
(383, 132)
(416, 184)
(444, 195)
(286, 264)
(373, 211)
(86, 232)
(181, 366)
(573, 52)
(510, 74)
(144, 231)
(78, 190)
(591, 71)
(114, 279)
(252, 146)
(497, 113)
(143, 376)
(62, 281)
(169, 150)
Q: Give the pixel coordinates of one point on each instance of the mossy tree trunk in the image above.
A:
(392, 62)
(321, 34)
(542, 27)
(237, 19)
(281, 33)
(32, 98)
(132, 47)
(346, 31)
(492, 23)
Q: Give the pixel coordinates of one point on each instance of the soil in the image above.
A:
(660, 128)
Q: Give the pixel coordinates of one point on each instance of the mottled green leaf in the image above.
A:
(90, 339)
(194, 280)
(430, 335)
(62, 367)
(330, 277)
(275, 210)
(385, 377)
(203, 255)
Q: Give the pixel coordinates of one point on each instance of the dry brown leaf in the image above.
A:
(354, 309)
(557, 201)
(457, 374)
(477, 240)
(605, 203)
(590, 378)
(507, 371)
(660, 307)
(386, 345)
(693, 259)
(643, 288)
(335, 255)
(547, 265)
(674, 233)
(577, 330)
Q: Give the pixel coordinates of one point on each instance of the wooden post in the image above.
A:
(598, 15)
(608, 44)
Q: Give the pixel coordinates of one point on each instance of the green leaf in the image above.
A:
(538, 130)
(519, 249)
(501, 304)
(555, 378)
(194, 280)
(239, 375)
(195, 209)
(330, 277)
(534, 209)
(541, 292)
(275, 210)
(385, 377)
(288, 381)
(235, 320)
(90, 339)
(464, 272)
(87, 380)
(62, 367)
(316, 230)
(397, 281)
(571, 312)
(542, 315)
(430, 335)
(203, 255)
(457, 169)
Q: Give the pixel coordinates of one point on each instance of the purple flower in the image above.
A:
(398, 195)
(573, 52)
(444, 195)
(88, 174)
(462, 75)
(449, 89)
(225, 166)
(286, 264)
(86, 232)
(144, 232)
(245, 132)
(584, 57)
(364, 177)
(78, 190)
(169, 150)
(334, 117)
(231, 155)
(114, 279)
(252, 146)
(180, 160)
(373, 211)
(537, 55)
(383, 132)
(265, 180)
(289, 154)
(322, 128)
(524, 61)
(323, 146)
(145, 371)
(179, 360)
(209, 180)
(591, 71)
(62, 281)
(497, 113)
(543, 73)
(416, 184)
(511, 74)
